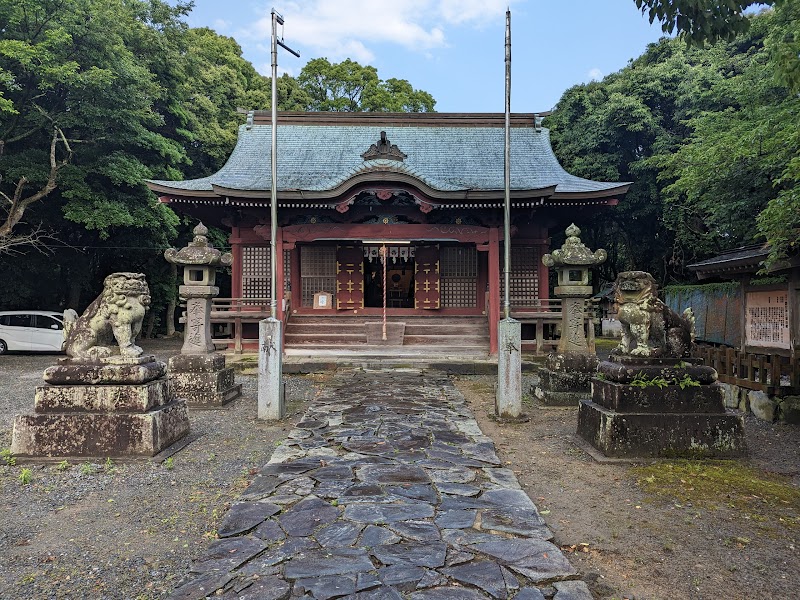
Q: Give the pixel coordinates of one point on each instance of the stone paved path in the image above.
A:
(386, 489)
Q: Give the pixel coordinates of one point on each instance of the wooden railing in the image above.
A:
(770, 373)
(545, 315)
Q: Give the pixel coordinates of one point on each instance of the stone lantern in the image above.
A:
(565, 379)
(198, 373)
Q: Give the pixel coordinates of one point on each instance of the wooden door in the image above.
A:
(349, 278)
(426, 278)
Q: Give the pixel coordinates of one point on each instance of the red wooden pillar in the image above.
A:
(494, 287)
(544, 274)
(236, 286)
(235, 240)
(296, 281)
(279, 274)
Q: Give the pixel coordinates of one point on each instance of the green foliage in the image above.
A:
(62, 466)
(643, 381)
(25, 476)
(686, 382)
(7, 457)
(724, 288)
(169, 464)
(349, 87)
(709, 138)
(87, 469)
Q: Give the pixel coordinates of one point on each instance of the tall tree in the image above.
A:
(349, 87)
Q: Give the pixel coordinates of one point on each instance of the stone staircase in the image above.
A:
(346, 334)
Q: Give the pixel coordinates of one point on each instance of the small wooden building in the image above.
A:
(429, 186)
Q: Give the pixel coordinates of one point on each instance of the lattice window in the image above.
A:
(524, 277)
(317, 272)
(287, 270)
(458, 273)
(256, 272)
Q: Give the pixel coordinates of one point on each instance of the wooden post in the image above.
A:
(279, 274)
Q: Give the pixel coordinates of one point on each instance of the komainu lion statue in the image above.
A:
(111, 323)
(650, 327)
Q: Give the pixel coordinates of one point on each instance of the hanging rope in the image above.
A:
(383, 258)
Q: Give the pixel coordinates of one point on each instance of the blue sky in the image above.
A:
(453, 49)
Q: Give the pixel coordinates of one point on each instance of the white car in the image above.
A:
(31, 330)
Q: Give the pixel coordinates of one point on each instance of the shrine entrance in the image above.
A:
(399, 280)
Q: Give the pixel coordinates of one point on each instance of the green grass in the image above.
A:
(712, 484)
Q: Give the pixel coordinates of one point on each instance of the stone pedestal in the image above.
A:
(565, 379)
(119, 407)
(271, 405)
(508, 402)
(646, 407)
(203, 380)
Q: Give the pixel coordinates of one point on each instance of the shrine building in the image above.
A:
(427, 186)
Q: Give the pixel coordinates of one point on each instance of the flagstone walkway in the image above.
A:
(387, 489)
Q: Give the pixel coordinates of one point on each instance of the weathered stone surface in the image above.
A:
(375, 535)
(305, 516)
(790, 410)
(620, 370)
(622, 397)
(261, 486)
(423, 493)
(327, 586)
(448, 593)
(197, 363)
(205, 390)
(270, 532)
(529, 593)
(124, 398)
(76, 373)
(513, 520)
(485, 574)
(761, 405)
(202, 586)
(381, 593)
(244, 516)
(535, 559)
(317, 563)
(661, 434)
(453, 475)
(456, 519)
(403, 577)
(428, 554)
(458, 489)
(387, 513)
(338, 535)
(392, 474)
(572, 590)
(264, 588)
(225, 555)
(502, 477)
(421, 531)
(100, 434)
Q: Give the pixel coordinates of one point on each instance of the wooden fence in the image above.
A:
(770, 373)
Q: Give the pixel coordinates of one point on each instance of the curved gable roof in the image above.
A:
(446, 158)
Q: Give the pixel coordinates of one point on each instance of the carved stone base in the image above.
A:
(117, 408)
(565, 379)
(669, 435)
(100, 434)
(642, 408)
(203, 380)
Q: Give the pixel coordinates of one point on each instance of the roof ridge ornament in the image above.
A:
(383, 148)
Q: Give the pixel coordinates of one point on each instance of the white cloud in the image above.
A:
(341, 29)
(595, 74)
(222, 25)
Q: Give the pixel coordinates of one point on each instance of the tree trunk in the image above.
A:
(151, 323)
(74, 294)
(173, 302)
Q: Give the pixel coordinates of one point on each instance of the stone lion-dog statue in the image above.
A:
(111, 323)
(650, 328)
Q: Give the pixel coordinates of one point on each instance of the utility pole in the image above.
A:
(508, 400)
(270, 336)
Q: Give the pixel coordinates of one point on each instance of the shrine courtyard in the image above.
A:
(394, 484)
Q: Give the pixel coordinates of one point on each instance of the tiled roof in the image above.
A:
(320, 158)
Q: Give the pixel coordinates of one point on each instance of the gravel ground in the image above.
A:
(125, 529)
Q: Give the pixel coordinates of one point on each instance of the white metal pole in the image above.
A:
(507, 177)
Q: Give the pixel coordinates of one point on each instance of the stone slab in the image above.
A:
(197, 363)
(669, 435)
(622, 397)
(77, 373)
(101, 398)
(205, 389)
(100, 434)
(625, 371)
